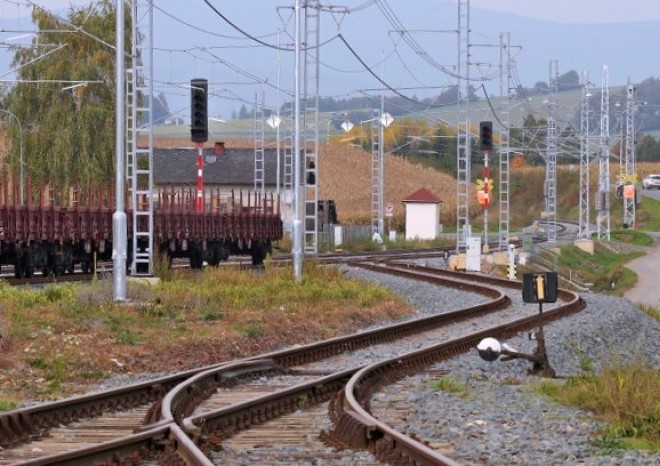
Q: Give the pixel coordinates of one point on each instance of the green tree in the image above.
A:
(243, 113)
(647, 149)
(69, 135)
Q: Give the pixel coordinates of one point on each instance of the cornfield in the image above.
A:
(345, 176)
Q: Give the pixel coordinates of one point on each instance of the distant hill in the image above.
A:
(345, 177)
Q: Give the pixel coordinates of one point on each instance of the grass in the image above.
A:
(402, 243)
(651, 311)
(64, 336)
(623, 396)
(605, 269)
(648, 214)
(450, 385)
(635, 237)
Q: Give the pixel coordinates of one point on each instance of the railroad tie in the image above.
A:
(353, 430)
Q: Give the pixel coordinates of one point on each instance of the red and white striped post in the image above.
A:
(487, 199)
(200, 178)
(486, 136)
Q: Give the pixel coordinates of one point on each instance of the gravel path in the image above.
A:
(646, 267)
(501, 422)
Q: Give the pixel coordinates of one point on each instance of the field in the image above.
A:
(345, 177)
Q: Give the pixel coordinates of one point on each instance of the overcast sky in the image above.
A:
(577, 11)
(194, 41)
(563, 11)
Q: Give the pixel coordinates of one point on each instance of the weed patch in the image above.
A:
(624, 396)
(56, 339)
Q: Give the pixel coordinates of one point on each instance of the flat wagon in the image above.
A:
(54, 235)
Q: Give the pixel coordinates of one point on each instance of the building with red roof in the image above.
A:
(422, 210)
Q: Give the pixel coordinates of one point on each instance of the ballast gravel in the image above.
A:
(499, 420)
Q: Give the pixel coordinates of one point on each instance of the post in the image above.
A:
(119, 222)
(486, 136)
(200, 178)
(298, 234)
(486, 247)
(511, 268)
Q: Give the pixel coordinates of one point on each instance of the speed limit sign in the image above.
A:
(389, 209)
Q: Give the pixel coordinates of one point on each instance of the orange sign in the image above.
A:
(629, 191)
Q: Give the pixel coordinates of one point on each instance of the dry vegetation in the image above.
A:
(345, 177)
(61, 339)
(345, 174)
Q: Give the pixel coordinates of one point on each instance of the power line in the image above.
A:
(206, 31)
(380, 80)
(244, 32)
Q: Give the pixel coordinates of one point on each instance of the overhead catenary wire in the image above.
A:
(206, 31)
(383, 82)
(244, 32)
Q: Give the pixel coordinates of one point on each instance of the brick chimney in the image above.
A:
(219, 148)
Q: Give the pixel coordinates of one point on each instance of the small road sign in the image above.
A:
(389, 209)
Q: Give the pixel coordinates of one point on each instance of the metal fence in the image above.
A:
(328, 238)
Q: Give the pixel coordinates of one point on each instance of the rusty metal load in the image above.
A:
(54, 231)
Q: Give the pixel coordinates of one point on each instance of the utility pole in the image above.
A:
(297, 251)
(603, 205)
(119, 228)
(629, 193)
(310, 104)
(506, 85)
(583, 219)
(463, 230)
(139, 105)
(550, 212)
(259, 144)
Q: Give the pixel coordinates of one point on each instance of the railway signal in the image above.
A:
(486, 135)
(199, 130)
(540, 287)
(199, 120)
(537, 288)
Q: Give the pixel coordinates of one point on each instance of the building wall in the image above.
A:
(422, 220)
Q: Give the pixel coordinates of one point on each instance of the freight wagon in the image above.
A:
(55, 237)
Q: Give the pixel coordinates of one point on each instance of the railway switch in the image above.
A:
(490, 349)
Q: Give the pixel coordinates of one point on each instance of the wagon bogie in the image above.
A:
(56, 239)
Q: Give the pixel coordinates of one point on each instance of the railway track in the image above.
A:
(289, 396)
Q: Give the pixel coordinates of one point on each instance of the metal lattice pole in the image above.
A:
(603, 205)
(259, 143)
(629, 159)
(376, 149)
(310, 104)
(550, 212)
(288, 165)
(141, 158)
(463, 127)
(506, 87)
(583, 219)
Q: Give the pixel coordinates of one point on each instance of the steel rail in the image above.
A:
(22, 425)
(357, 427)
(167, 443)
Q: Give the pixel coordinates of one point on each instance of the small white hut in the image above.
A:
(422, 215)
